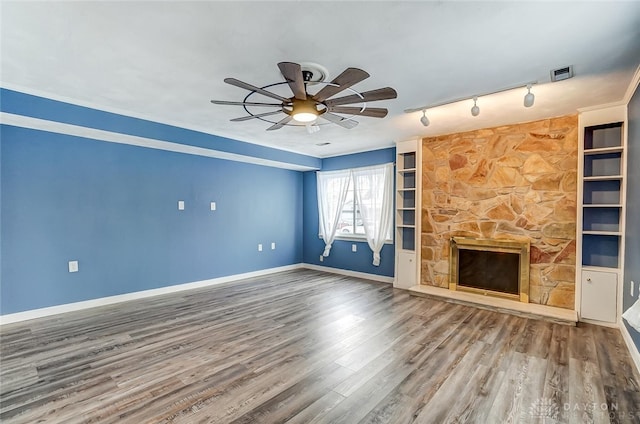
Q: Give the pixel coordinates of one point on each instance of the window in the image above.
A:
(351, 224)
(356, 203)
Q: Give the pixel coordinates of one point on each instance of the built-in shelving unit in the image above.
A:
(601, 213)
(602, 201)
(407, 215)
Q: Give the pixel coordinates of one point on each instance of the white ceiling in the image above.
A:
(164, 61)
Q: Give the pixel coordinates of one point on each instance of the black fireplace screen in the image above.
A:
(495, 271)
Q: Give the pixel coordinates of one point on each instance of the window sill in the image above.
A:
(361, 239)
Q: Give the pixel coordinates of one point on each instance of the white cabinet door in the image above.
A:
(599, 294)
(406, 270)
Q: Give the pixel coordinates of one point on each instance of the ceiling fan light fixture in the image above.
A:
(304, 111)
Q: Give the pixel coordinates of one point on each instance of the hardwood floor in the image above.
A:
(309, 347)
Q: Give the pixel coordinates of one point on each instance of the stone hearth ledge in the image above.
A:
(526, 310)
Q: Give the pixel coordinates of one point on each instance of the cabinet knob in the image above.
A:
(589, 279)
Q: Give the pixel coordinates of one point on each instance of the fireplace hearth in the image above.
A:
(490, 267)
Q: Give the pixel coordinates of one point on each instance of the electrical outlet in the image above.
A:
(273, 246)
(213, 206)
(321, 258)
(260, 248)
(180, 205)
(354, 247)
(73, 266)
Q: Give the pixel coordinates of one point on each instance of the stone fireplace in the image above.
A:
(490, 267)
(515, 183)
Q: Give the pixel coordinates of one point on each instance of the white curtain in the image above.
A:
(332, 191)
(373, 186)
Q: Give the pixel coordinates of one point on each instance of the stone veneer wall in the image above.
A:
(515, 182)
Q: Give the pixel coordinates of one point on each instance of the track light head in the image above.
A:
(529, 98)
(424, 119)
(475, 110)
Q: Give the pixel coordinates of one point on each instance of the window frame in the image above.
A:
(359, 237)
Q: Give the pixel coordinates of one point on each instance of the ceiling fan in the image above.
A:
(304, 108)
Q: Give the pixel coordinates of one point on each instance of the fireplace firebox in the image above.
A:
(490, 267)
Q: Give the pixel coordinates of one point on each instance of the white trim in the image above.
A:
(110, 300)
(357, 274)
(130, 114)
(600, 323)
(632, 87)
(114, 137)
(633, 350)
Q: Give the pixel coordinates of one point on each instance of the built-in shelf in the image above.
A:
(604, 205)
(406, 218)
(602, 182)
(615, 149)
(601, 215)
(603, 178)
(603, 233)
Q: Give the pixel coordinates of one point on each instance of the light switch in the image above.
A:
(273, 246)
(213, 206)
(354, 248)
(73, 266)
(180, 205)
(260, 248)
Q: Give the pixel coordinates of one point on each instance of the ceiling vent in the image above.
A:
(562, 73)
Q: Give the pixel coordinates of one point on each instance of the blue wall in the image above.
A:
(341, 255)
(52, 110)
(113, 208)
(632, 230)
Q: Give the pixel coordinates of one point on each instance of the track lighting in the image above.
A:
(424, 119)
(529, 98)
(475, 110)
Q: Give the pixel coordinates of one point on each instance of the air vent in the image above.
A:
(326, 143)
(562, 73)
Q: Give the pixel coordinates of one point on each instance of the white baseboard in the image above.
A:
(86, 304)
(367, 276)
(633, 350)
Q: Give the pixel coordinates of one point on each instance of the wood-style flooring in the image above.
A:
(309, 347)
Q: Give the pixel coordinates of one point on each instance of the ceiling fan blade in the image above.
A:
(250, 87)
(259, 115)
(339, 120)
(367, 96)
(224, 102)
(374, 112)
(280, 123)
(346, 79)
(292, 72)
